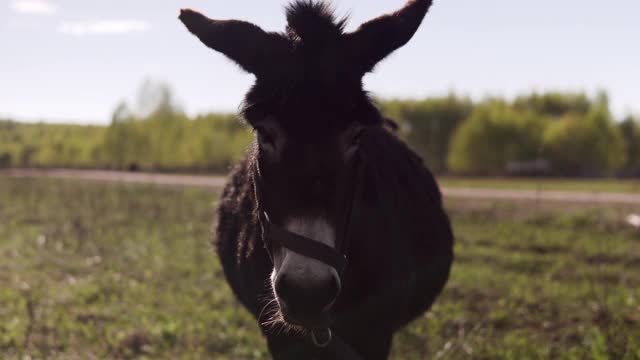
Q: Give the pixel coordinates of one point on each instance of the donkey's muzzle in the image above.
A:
(308, 304)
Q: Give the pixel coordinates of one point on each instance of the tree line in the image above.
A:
(553, 134)
(560, 134)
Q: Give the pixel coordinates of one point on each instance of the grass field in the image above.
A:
(125, 271)
(555, 184)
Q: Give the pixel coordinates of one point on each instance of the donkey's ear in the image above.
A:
(376, 39)
(245, 43)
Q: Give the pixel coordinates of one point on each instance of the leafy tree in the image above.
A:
(630, 130)
(154, 98)
(585, 146)
(495, 135)
(159, 136)
(555, 104)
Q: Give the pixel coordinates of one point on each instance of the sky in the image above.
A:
(75, 60)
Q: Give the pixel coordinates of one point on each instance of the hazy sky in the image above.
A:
(74, 60)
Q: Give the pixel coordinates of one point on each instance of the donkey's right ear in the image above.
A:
(247, 44)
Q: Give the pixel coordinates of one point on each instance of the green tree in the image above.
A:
(630, 130)
(585, 146)
(159, 136)
(495, 135)
(555, 104)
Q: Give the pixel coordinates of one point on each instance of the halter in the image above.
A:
(273, 234)
(336, 257)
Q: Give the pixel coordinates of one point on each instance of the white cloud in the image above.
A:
(104, 27)
(35, 7)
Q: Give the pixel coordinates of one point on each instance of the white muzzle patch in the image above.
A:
(303, 270)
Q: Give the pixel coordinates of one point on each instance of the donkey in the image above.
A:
(331, 231)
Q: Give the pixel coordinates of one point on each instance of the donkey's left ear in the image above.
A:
(376, 39)
(243, 42)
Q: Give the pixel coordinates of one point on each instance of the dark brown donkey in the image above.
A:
(331, 231)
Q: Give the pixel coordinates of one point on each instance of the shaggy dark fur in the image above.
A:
(309, 82)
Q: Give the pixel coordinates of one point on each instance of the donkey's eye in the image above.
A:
(265, 137)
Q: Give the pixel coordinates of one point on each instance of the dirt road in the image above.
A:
(120, 176)
(218, 181)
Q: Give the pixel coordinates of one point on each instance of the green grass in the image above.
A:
(585, 185)
(124, 271)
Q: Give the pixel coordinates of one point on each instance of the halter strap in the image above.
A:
(307, 247)
(333, 256)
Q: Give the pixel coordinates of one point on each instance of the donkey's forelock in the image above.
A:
(311, 26)
(313, 23)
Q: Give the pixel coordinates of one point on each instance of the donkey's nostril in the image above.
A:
(306, 298)
(332, 290)
(283, 287)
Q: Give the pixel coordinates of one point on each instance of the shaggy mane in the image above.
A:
(313, 21)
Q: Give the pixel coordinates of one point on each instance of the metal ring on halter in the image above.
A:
(319, 342)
